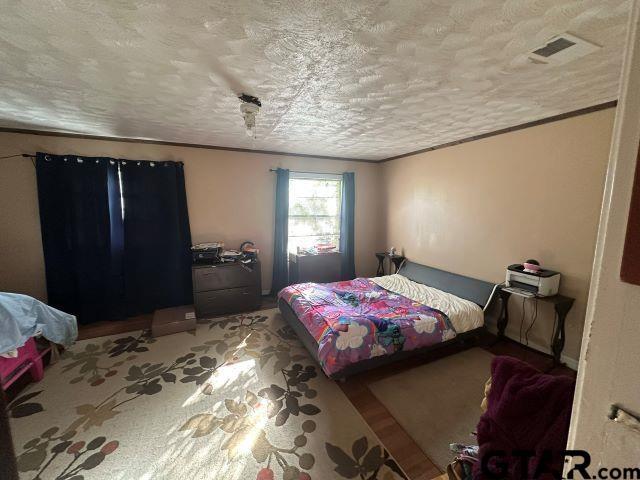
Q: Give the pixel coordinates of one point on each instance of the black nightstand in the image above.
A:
(561, 305)
(395, 259)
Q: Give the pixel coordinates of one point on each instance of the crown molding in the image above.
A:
(535, 123)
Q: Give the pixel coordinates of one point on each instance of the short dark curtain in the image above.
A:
(280, 254)
(82, 240)
(157, 238)
(347, 222)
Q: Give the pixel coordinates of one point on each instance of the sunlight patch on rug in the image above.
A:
(240, 399)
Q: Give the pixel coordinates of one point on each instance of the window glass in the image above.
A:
(314, 212)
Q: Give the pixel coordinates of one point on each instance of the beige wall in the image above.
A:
(230, 196)
(477, 207)
(471, 209)
(608, 373)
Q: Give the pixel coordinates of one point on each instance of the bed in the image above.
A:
(352, 326)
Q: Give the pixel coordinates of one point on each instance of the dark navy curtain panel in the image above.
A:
(157, 239)
(347, 226)
(96, 215)
(82, 242)
(280, 253)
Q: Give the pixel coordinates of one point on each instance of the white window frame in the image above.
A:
(315, 176)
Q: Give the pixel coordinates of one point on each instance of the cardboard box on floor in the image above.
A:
(173, 320)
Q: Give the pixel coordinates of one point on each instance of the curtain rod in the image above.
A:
(313, 173)
(28, 155)
(33, 158)
(25, 155)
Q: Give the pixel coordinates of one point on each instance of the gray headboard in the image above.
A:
(477, 291)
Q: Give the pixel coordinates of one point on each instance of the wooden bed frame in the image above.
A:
(478, 291)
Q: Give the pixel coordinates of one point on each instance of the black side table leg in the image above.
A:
(380, 271)
(503, 320)
(557, 345)
(397, 261)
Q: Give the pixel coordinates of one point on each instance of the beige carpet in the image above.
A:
(238, 399)
(438, 403)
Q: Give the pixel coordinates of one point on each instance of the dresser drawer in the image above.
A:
(217, 277)
(218, 302)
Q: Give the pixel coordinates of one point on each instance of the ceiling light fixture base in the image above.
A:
(249, 107)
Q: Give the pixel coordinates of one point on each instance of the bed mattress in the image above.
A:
(463, 314)
(357, 320)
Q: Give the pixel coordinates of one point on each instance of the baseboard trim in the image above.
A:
(570, 362)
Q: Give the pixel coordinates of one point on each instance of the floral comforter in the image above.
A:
(356, 320)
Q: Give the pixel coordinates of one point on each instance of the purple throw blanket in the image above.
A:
(527, 411)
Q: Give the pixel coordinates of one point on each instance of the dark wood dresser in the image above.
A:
(226, 288)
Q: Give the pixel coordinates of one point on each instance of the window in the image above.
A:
(314, 210)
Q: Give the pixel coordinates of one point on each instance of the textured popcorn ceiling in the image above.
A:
(364, 79)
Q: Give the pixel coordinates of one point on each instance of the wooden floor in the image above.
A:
(142, 322)
(104, 328)
(395, 439)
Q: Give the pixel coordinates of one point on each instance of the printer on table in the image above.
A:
(526, 282)
(206, 253)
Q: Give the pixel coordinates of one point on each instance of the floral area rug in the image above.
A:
(239, 398)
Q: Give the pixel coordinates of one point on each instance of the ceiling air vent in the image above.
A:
(562, 49)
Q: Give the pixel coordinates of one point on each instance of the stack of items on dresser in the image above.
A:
(209, 253)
